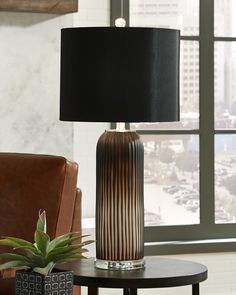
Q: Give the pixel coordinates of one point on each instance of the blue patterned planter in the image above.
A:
(56, 283)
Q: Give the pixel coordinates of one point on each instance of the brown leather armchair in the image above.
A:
(29, 183)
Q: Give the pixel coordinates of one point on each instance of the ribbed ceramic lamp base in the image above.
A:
(119, 201)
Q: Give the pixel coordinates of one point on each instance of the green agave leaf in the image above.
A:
(54, 256)
(43, 254)
(15, 263)
(63, 243)
(12, 257)
(65, 257)
(64, 240)
(38, 261)
(70, 258)
(36, 258)
(33, 260)
(68, 248)
(42, 241)
(65, 249)
(44, 270)
(42, 222)
(15, 242)
(69, 241)
(28, 250)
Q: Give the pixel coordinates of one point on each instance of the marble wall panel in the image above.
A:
(29, 84)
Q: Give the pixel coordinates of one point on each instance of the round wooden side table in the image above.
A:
(158, 273)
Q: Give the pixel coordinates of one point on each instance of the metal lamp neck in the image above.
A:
(120, 127)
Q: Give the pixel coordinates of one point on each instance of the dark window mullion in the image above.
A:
(225, 131)
(189, 232)
(225, 39)
(189, 38)
(166, 131)
(207, 112)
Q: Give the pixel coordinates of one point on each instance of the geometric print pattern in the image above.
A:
(31, 283)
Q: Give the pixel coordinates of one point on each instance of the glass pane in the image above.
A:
(171, 179)
(189, 91)
(225, 178)
(225, 85)
(225, 18)
(175, 14)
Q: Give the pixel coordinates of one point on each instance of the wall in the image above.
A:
(29, 87)
(29, 96)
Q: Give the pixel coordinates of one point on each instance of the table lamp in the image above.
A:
(112, 74)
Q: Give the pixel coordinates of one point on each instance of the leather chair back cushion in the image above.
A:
(29, 183)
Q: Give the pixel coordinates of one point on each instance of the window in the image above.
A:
(190, 166)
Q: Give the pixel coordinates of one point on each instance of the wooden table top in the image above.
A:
(158, 273)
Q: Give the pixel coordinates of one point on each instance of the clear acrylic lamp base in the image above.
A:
(120, 265)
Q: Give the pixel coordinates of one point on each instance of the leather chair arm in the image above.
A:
(8, 273)
(76, 221)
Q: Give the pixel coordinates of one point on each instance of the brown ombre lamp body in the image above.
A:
(120, 203)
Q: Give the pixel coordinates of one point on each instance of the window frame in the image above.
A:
(205, 236)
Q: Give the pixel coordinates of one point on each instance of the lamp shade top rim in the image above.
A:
(119, 28)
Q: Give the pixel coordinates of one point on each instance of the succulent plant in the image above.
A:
(42, 255)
